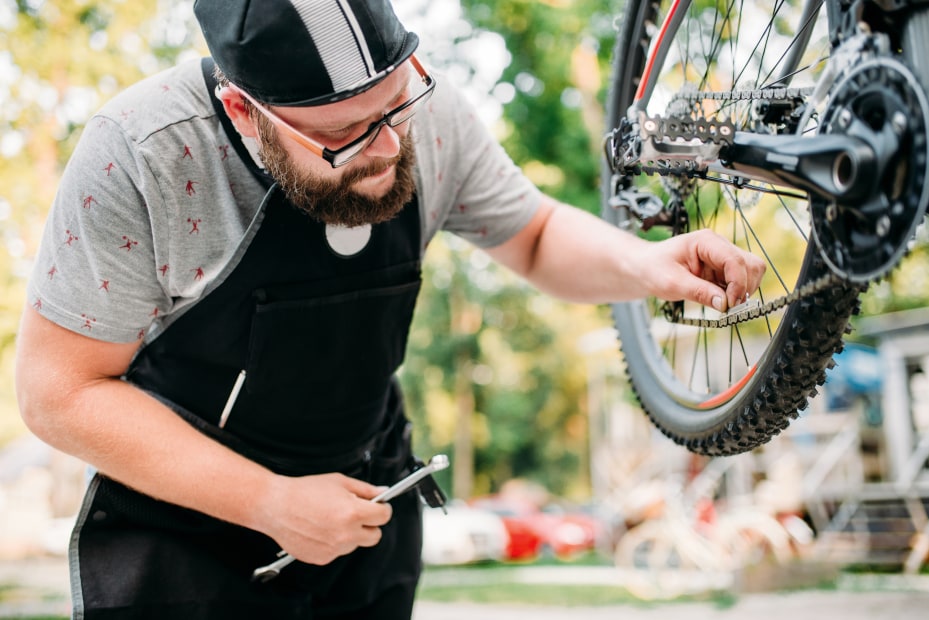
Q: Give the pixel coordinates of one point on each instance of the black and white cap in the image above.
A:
(304, 52)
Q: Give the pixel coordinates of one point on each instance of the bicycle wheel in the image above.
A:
(721, 391)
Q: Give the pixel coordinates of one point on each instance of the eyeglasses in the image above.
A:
(345, 154)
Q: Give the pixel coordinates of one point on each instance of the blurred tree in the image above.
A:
(493, 372)
(551, 89)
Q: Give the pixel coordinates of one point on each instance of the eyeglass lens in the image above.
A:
(394, 118)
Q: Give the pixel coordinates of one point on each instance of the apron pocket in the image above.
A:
(340, 350)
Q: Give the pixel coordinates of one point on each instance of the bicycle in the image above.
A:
(796, 128)
(701, 541)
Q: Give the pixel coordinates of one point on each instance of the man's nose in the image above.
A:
(386, 143)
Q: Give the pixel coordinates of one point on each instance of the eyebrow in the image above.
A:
(343, 127)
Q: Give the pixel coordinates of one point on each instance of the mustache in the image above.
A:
(369, 170)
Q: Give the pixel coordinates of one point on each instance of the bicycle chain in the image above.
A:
(721, 132)
(783, 94)
(805, 290)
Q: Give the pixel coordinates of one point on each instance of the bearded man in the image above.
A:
(259, 220)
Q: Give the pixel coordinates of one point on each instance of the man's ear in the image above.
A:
(234, 105)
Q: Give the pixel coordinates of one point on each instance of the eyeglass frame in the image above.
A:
(363, 141)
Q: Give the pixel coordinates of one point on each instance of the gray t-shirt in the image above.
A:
(155, 202)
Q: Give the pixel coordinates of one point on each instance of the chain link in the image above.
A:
(783, 94)
(805, 290)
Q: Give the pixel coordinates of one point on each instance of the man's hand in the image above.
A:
(319, 518)
(701, 266)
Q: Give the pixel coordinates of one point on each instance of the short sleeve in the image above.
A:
(95, 271)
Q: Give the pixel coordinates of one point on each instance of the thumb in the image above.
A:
(708, 294)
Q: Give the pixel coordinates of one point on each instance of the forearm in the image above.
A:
(579, 257)
(133, 438)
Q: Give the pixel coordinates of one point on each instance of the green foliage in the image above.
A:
(553, 124)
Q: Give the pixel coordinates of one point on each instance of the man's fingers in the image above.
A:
(372, 536)
(369, 513)
(738, 271)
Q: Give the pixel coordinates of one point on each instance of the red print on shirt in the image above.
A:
(88, 322)
(194, 226)
(189, 188)
(71, 238)
(187, 153)
(154, 312)
(104, 285)
(224, 152)
(109, 168)
(130, 243)
(163, 269)
(37, 304)
(198, 273)
(88, 201)
(52, 272)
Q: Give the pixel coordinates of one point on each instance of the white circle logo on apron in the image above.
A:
(347, 241)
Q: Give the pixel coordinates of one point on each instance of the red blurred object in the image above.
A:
(533, 531)
(523, 542)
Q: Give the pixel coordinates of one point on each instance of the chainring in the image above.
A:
(881, 101)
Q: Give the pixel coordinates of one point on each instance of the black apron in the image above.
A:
(320, 336)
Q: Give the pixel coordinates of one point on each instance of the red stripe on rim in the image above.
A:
(649, 65)
(723, 397)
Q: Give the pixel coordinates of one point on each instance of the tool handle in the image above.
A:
(272, 570)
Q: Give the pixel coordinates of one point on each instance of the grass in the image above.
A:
(504, 583)
(14, 595)
(502, 592)
(521, 593)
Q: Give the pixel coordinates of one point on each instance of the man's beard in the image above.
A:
(335, 202)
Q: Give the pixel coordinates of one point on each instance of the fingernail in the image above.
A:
(718, 303)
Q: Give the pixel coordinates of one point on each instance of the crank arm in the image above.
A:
(836, 167)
